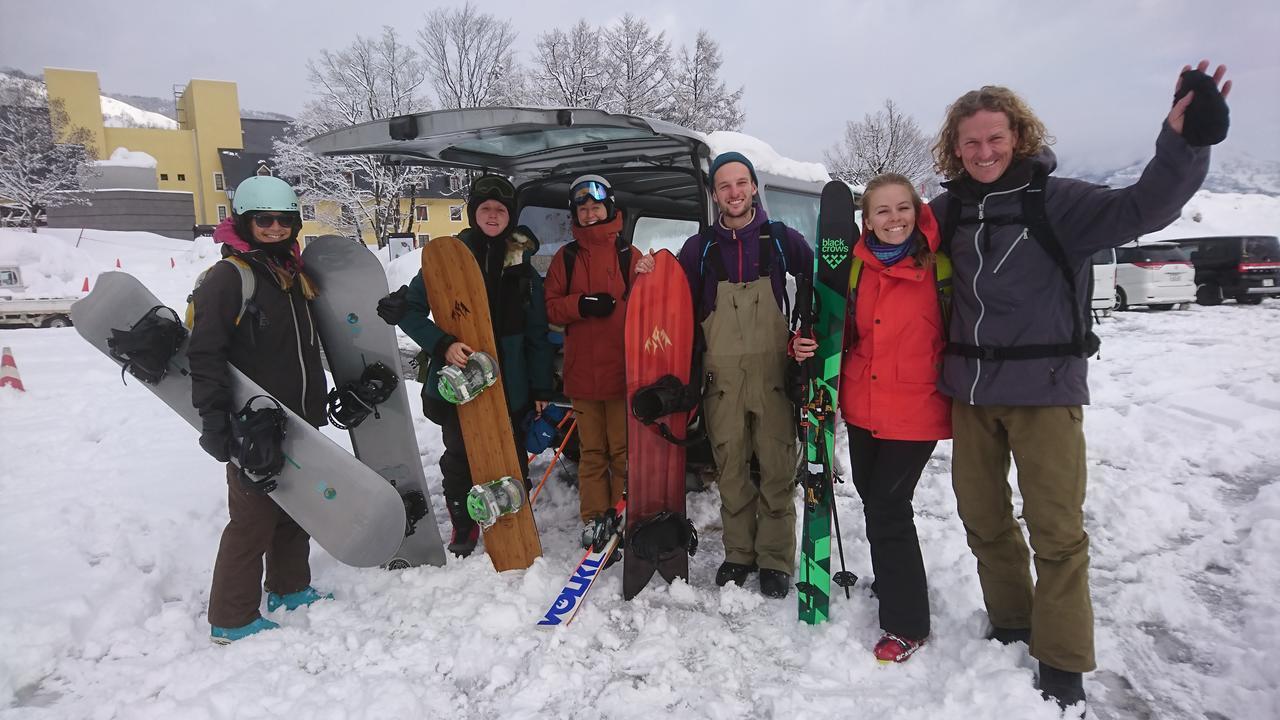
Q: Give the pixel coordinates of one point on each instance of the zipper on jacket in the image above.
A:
(982, 307)
(1000, 264)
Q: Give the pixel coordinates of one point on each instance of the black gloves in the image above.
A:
(597, 305)
(1207, 118)
(215, 435)
(394, 307)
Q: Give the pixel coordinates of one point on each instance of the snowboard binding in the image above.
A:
(350, 404)
(459, 385)
(146, 348)
(662, 535)
(257, 436)
(488, 502)
(667, 396)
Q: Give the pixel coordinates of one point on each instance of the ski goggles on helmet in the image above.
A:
(588, 190)
(265, 220)
(490, 186)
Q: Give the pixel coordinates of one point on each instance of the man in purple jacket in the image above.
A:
(1017, 360)
(737, 272)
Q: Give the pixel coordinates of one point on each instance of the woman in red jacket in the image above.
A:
(889, 399)
(590, 301)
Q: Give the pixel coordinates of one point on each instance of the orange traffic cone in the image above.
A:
(9, 372)
(85, 288)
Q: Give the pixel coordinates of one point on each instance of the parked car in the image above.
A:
(1158, 275)
(1243, 267)
(1104, 282)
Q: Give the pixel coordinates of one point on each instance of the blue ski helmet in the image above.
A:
(264, 192)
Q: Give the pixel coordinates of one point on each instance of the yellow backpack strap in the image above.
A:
(248, 285)
(942, 280)
(854, 272)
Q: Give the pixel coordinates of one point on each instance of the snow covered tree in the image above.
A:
(640, 63)
(470, 58)
(699, 99)
(889, 141)
(43, 159)
(570, 68)
(371, 79)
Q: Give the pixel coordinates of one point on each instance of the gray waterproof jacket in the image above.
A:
(1007, 290)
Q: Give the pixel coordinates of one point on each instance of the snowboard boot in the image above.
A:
(226, 636)
(466, 533)
(734, 572)
(1009, 636)
(895, 648)
(774, 583)
(1063, 687)
(295, 600)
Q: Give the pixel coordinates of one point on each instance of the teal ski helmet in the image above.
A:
(264, 192)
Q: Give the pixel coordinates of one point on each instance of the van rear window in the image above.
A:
(1262, 249)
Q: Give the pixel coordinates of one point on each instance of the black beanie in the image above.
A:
(1207, 118)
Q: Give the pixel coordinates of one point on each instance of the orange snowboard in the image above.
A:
(460, 306)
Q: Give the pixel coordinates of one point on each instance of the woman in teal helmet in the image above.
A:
(271, 338)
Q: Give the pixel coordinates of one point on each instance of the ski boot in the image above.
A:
(490, 501)
(460, 385)
(466, 533)
(226, 636)
(295, 600)
(732, 572)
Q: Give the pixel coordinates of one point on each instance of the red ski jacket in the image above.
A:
(893, 348)
(594, 359)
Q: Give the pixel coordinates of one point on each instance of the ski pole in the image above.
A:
(559, 451)
(844, 578)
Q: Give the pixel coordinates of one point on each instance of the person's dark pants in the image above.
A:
(454, 468)
(885, 473)
(258, 527)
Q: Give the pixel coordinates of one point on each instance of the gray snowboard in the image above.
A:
(351, 281)
(350, 511)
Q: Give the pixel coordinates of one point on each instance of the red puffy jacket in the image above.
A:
(889, 373)
(594, 361)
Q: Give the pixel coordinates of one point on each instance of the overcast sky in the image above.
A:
(1100, 74)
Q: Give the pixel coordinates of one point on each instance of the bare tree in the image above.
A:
(889, 141)
(640, 63)
(470, 58)
(699, 98)
(570, 68)
(43, 159)
(373, 78)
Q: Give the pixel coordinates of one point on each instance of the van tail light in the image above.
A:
(1246, 267)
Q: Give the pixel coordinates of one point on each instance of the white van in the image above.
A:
(657, 169)
(1158, 275)
(1104, 282)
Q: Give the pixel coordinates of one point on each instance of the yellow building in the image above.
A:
(212, 149)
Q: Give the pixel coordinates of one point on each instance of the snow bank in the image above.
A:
(764, 157)
(1209, 213)
(124, 157)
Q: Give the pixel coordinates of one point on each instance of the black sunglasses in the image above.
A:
(266, 220)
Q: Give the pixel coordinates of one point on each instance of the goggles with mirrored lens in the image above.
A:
(589, 190)
(266, 220)
(490, 185)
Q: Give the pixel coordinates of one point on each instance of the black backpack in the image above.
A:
(1035, 218)
(624, 263)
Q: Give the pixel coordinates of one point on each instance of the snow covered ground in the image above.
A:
(111, 517)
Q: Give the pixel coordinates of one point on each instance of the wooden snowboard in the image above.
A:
(460, 306)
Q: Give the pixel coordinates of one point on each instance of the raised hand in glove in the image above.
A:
(215, 435)
(393, 307)
(596, 305)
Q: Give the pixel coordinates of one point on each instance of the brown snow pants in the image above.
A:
(602, 467)
(258, 527)
(1047, 445)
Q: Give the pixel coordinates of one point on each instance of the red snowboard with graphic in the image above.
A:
(659, 342)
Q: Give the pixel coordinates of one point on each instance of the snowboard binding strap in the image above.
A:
(146, 348)
(348, 406)
(257, 434)
(667, 396)
(662, 535)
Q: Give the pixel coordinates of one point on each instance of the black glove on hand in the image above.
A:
(215, 435)
(1207, 118)
(597, 305)
(394, 307)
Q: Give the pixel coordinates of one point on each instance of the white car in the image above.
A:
(1158, 275)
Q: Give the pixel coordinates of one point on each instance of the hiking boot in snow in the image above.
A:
(895, 648)
(295, 600)
(733, 572)
(1063, 687)
(226, 636)
(1009, 636)
(466, 533)
(774, 583)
